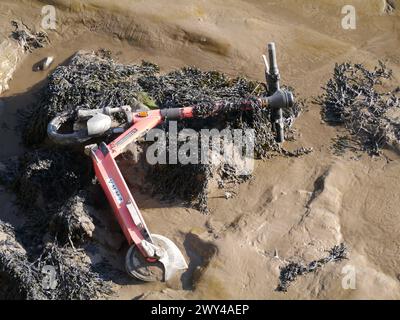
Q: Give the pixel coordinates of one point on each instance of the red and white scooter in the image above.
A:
(147, 250)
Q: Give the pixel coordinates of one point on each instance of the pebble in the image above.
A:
(228, 195)
(43, 64)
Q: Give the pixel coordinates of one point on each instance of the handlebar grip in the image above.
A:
(273, 64)
(273, 75)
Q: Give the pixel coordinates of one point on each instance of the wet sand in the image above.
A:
(282, 210)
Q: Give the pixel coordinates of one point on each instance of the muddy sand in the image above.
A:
(294, 209)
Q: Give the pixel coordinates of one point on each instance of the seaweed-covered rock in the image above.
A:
(75, 277)
(73, 221)
(46, 175)
(57, 273)
(192, 182)
(17, 278)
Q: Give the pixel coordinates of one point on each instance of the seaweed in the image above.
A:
(75, 277)
(17, 279)
(23, 276)
(28, 39)
(292, 270)
(46, 175)
(73, 222)
(354, 98)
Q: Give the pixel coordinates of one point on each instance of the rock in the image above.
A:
(228, 195)
(73, 221)
(10, 55)
(43, 64)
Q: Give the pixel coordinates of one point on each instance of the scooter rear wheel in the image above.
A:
(137, 266)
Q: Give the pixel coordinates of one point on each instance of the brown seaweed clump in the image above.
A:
(355, 97)
(58, 273)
